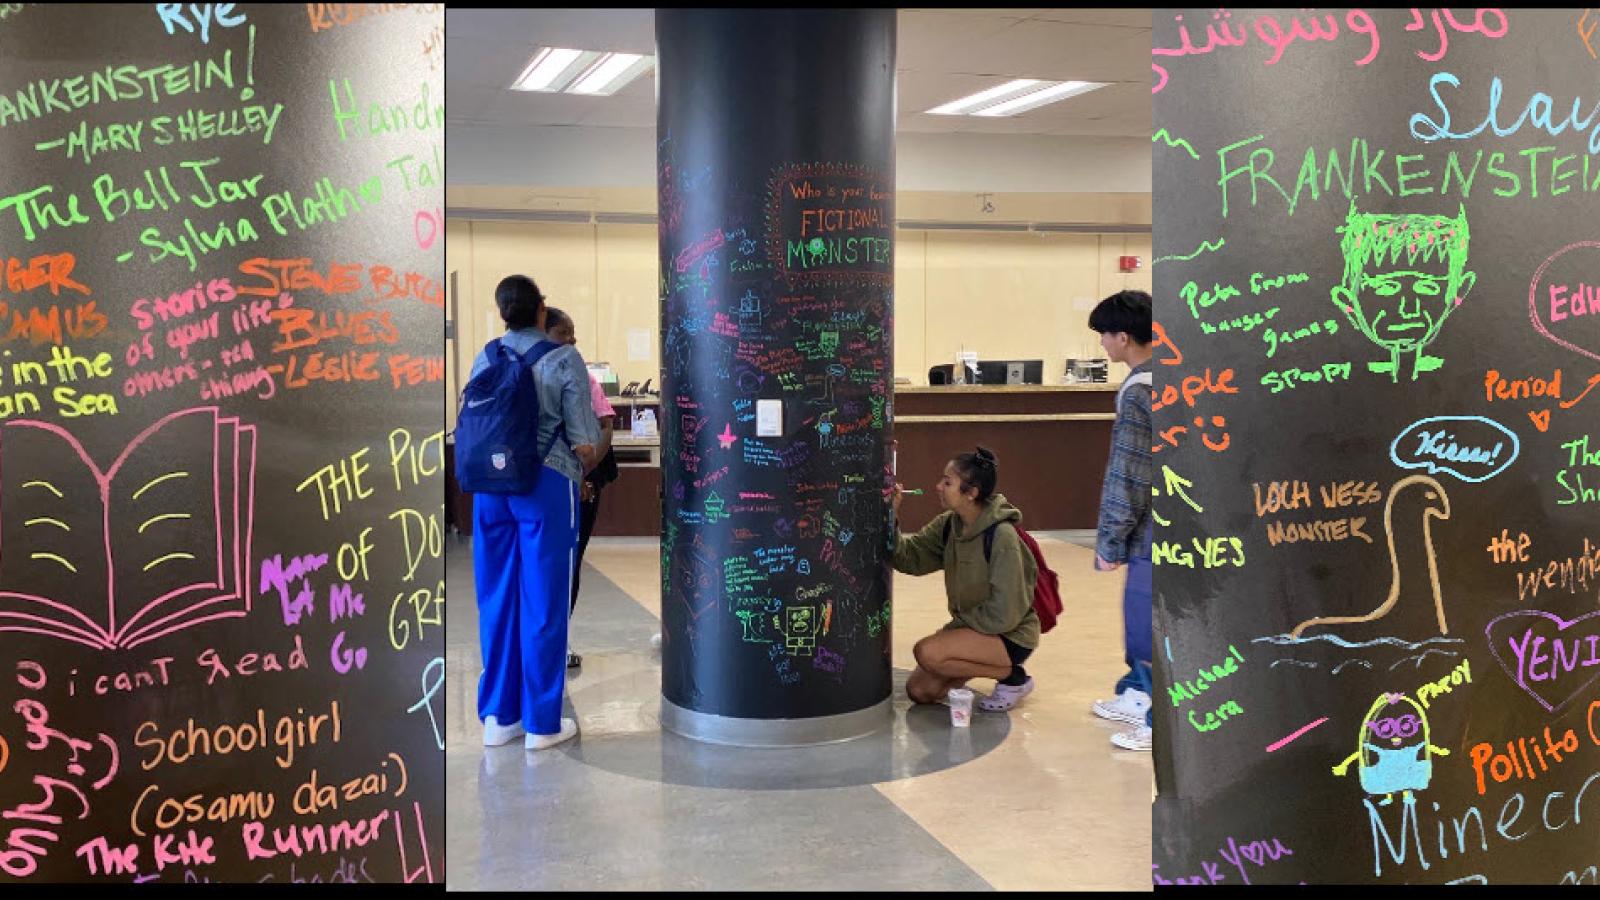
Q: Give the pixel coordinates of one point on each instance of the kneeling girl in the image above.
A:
(993, 627)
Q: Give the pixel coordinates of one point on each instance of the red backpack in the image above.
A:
(1046, 591)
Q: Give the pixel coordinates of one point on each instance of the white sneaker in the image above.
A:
(1130, 706)
(1133, 738)
(1006, 696)
(495, 734)
(569, 730)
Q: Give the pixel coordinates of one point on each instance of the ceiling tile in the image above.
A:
(930, 40)
(1042, 49)
(529, 108)
(628, 30)
(1126, 18)
(1023, 13)
(620, 112)
(466, 102)
(485, 62)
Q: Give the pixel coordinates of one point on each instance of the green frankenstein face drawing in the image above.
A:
(1403, 276)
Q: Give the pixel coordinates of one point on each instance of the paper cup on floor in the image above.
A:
(960, 707)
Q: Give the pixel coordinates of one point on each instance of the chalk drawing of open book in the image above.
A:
(157, 543)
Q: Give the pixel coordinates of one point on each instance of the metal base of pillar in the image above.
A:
(714, 729)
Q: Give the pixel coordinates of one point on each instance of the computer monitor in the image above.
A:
(1011, 371)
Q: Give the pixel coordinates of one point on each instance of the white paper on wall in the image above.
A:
(769, 418)
(638, 345)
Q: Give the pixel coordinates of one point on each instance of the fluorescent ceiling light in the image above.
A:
(1039, 98)
(962, 106)
(548, 66)
(609, 75)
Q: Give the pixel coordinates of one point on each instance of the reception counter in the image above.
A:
(1052, 442)
(1004, 399)
(631, 505)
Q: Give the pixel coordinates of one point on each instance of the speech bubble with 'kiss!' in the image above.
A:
(1471, 448)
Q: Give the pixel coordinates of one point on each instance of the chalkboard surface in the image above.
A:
(1377, 446)
(798, 569)
(777, 236)
(221, 583)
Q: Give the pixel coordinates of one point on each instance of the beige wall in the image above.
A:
(1006, 295)
(561, 158)
(604, 276)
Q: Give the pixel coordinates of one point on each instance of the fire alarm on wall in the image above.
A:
(1130, 263)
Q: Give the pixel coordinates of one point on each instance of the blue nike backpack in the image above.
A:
(497, 431)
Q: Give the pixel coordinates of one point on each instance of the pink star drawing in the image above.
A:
(726, 438)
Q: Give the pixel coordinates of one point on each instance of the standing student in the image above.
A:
(988, 583)
(562, 330)
(1123, 321)
(525, 546)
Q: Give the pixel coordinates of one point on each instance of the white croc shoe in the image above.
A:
(1006, 696)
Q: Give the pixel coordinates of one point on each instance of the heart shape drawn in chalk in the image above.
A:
(361, 657)
(1254, 852)
(371, 190)
(1541, 419)
(1552, 658)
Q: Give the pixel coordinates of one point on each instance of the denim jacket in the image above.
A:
(562, 380)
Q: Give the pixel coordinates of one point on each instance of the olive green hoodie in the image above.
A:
(993, 596)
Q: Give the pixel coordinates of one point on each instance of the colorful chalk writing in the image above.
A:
(1278, 37)
(1384, 251)
(828, 220)
(1257, 853)
(1483, 449)
(1540, 650)
(787, 299)
(221, 535)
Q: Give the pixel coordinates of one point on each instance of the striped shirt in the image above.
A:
(1124, 530)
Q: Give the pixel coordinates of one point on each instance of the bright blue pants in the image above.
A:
(524, 550)
(1137, 639)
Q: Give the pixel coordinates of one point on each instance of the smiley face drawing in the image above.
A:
(1394, 749)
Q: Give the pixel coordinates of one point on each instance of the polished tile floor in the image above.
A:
(1035, 799)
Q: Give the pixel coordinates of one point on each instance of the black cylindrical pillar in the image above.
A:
(776, 182)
